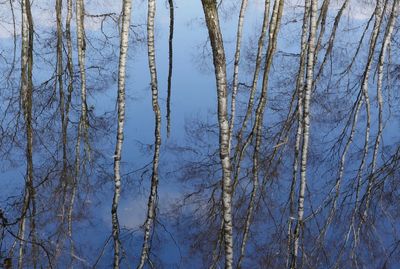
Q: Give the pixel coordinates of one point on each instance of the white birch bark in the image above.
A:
(67, 108)
(358, 104)
(26, 103)
(365, 93)
(151, 206)
(235, 80)
(82, 125)
(70, 66)
(81, 44)
(219, 59)
(306, 125)
(24, 89)
(381, 62)
(259, 116)
(126, 18)
(240, 149)
(300, 91)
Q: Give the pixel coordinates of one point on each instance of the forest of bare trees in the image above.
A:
(200, 134)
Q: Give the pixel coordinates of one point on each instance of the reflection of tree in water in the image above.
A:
(297, 168)
(54, 120)
(338, 223)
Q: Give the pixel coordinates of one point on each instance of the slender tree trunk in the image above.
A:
(356, 110)
(299, 91)
(382, 56)
(151, 207)
(26, 103)
(214, 31)
(321, 21)
(74, 178)
(332, 38)
(170, 62)
(365, 94)
(235, 80)
(240, 149)
(83, 124)
(70, 65)
(126, 18)
(259, 118)
(306, 126)
(80, 29)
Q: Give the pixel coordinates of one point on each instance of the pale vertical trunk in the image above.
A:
(70, 66)
(306, 126)
(364, 90)
(299, 91)
(239, 150)
(26, 103)
(82, 125)
(235, 81)
(124, 42)
(80, 30)
(257, 128)
(356, 111)
(365, 95)
(332, 38)
(70, 69)
(214, 31)
(80, 15)
(259, 117)
(322, 23)
(382, 56)
(151, 207)
(170, 63)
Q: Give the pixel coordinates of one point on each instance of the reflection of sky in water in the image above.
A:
(193, 95)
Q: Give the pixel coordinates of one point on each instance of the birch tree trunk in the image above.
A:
(306, 126)
(214, 31)
(80, 29)
(240, 149)
(70, 69)
(151, 206)
(70, 66)
(126, 18)
(300, 91)
(235, 80)
(82, 125)
(381, 62)
(26, 103)
(259, 118)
